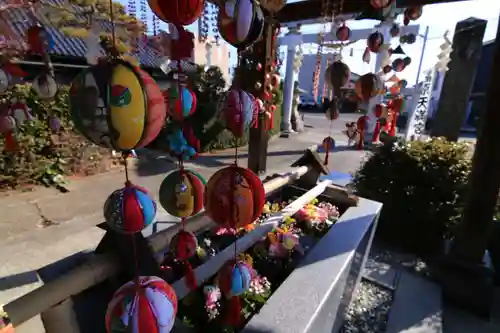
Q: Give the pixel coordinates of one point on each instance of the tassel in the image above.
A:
(376, 132)
(392, 131)
(10, 142)
(270, 122)
(234, 312)
(190, 277)
(361, 142)
(327, 155)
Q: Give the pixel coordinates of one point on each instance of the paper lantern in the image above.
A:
(151, 308)
(375, 41)
(343, 33)
(240, 22)
(337, 75)
(367, 86)
(180, 103)
(177, 12)
(45, 86)
(234, 197)
(273, 6)
(117, 105)
(129, 210)
(234, 278)
(379, 4)
(181, 193)
(238, 110)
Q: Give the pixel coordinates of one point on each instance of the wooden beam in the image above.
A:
(311, 9)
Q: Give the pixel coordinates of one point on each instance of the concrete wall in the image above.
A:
(219, 56)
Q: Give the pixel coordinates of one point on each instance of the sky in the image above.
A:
(439, 18)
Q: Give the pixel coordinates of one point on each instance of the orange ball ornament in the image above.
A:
(234, 197)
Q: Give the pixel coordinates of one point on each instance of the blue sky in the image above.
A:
(439, 18)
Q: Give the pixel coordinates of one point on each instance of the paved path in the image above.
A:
(25, 247)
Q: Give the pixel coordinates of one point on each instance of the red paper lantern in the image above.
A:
(375, 41)
(177, 12)
(367, 86)
(337, 74)
(343, 33)
(234, 197)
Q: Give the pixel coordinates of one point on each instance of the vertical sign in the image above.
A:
(415, 127)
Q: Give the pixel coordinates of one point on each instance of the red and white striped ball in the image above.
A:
(151, 308)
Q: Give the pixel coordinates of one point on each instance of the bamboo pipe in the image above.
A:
(100, 267)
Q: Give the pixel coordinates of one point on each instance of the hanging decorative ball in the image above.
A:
(39, 39)
(398, 65)
(337, 75)
(130, 209)
(234, 278)
(234, 197)
(375, 41)
(407, 61)
(240, 22)
(394, 30)
(238, 111)
(7, 124)
(413, 13)
(181, 193)
(117, 105)
(273, 6)
(152, 308)
(387, 69)
(180, 104)
(343, 33)
(379, 110)
(183, 245)
(275, 81)
(4, 81)
(45, 86)
(367, 86)
(328, 143)
(379, 4)
(177, 12)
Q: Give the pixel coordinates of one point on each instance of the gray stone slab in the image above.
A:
(380, 273)
(417, 306)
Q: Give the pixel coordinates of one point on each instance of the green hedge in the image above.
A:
(422, 185)
(44, 157)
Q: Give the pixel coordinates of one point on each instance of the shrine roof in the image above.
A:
(17, 21)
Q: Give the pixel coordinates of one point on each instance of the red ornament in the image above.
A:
(183, 245)
(38, 39)
(360, 125)
(182, 47)
(367, 86)
(379, 110)
(343, 33)
(328, 145)
(337, 74)
(234, 197)
(379, 4)
(413, 13)
(177, 12)
(238, 110)
(375, 41)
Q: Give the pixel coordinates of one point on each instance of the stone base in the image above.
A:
(467, 287)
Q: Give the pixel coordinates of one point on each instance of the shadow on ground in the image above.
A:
(18, 280)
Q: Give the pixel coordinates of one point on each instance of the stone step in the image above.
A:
(417, 306)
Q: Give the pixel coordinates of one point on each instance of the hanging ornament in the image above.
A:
(387, 69)
(181, 193)
(395, 30)
(375, 41)
(238, 110)
(234, 197)
(179, 105)
(45, 86)
(183, 246)
(412, 14)
(273, 6)
(361, 126)
(130, 209)
(275, 81)
(179, 145)
(407, 61)
(117, 105)
(234, 279)
(398, 65)
(19, 110)
(337, 75)
(328, 145)
(367, 86)
(379, 110)
(379, 4)
(343, 33)
(177, 12)
(39, 40)
(240, 23)
(149, 307)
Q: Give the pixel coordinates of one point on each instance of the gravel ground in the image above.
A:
(369, 310)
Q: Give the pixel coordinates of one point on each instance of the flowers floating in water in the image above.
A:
(259, 286)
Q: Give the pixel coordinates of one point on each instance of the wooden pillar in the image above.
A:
(469, 284)
(259, 136)
(458, 82)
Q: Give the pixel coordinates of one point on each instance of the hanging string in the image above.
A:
(125, 156)
(114, 52)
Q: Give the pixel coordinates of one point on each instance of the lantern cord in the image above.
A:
(136, 263)
(112, 20)
(127, 180)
